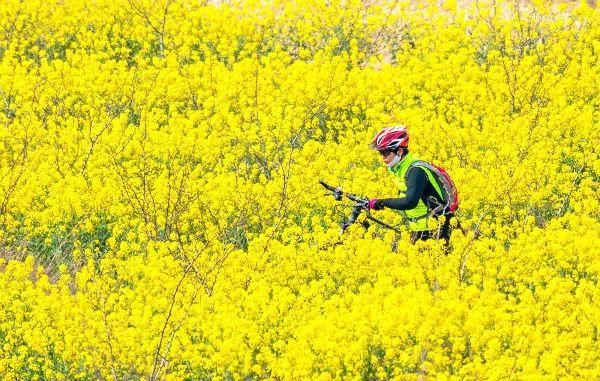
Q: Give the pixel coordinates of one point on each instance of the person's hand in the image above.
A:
(374, 204)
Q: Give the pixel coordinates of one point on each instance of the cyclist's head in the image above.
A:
(391, 139)
(392, 144)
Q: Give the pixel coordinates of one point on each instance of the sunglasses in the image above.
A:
(385, 152)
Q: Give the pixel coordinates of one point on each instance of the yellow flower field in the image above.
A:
(161, 216)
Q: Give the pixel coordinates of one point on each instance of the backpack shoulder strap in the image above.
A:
(416, 163)
(432, 176)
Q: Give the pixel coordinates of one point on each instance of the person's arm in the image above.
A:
(415, 186)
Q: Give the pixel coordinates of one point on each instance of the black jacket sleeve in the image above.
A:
(415, 186)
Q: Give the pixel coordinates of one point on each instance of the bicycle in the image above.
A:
(360, 206)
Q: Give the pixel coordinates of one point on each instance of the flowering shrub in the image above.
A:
(161, 216)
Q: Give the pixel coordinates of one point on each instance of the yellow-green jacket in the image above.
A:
(417, 217)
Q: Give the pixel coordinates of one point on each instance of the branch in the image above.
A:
(566, 200)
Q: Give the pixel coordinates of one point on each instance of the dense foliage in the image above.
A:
(161, 217)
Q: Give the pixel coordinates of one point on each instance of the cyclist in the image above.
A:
(419, 192)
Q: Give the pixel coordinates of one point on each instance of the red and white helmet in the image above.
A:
(390, 138)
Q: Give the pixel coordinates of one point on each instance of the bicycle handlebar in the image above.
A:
(338, 193)
(361, 204)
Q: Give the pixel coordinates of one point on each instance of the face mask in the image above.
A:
(394, 161)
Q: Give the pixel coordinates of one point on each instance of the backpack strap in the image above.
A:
(433, 208)
(415, 163)
(425, 166)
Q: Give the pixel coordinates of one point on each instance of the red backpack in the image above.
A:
(449, 191)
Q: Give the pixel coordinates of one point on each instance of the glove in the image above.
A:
(375, 204)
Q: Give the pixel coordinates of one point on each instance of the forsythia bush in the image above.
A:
(161, 217)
